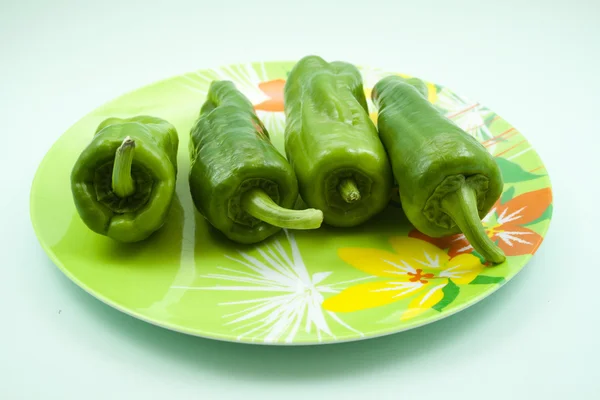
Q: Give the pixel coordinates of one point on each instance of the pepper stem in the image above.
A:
(257, 203)
(122, 182)
(461, 206)
(349, 191)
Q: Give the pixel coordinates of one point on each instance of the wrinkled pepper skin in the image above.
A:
(330, 138)
(433, 158)
(154, 169)
(231, 153)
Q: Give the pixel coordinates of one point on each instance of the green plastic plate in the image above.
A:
(298, 287)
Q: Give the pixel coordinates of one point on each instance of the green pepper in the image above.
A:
(333, 145)
(124, 180)
(448, 181)
(238, 180)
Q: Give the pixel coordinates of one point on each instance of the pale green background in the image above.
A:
(534, 63)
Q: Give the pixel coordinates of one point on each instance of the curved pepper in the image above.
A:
(238, 180)
(447, 180)
(333, 145)
(124, 180)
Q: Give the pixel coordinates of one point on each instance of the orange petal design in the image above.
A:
(273, 89)
(459, 245)
(525, 208)
(516, 240)
(441, 242)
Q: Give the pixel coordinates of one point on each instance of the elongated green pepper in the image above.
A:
(447, 180)
(124, 180)
(238, 180)
(341, 165)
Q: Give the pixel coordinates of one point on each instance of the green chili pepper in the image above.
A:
(448, 181)
(239, 181)
(124, 180)
(333, 145)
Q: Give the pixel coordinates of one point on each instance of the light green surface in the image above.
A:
(297, 287)
(533, 63)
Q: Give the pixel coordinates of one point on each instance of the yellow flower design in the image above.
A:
(373, 117)
(417, 269)
(431, 92)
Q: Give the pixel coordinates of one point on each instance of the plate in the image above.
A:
(298, 287)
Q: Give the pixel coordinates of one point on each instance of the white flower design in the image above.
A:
(294, 300)
(504, 219)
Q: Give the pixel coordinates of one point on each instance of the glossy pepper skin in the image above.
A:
(234, 163)
(447, 180)
(341, 165)
(152, 172)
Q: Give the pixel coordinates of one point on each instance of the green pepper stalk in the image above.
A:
(348, 190)
(258, 204)
(238, 180)
(341, 165)
(461, 206)
(447, 180)
(123, 182)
